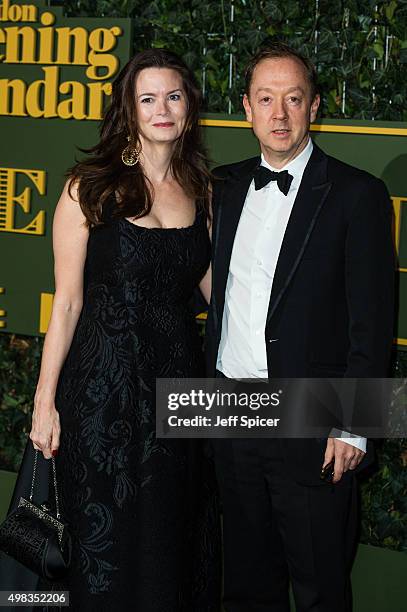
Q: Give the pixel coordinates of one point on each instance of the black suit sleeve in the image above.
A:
(370, 270)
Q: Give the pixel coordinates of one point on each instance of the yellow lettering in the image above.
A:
(102, 40)
(29, 12)
(96, 99)
(397, 202)
(51, 47)
(40, 98)
(45, 90)
(4, 10)
(46, 42)
(9, 199)
(46, 301)
(15, 13)
(17, 108)
(20, 45)
(76, 38)
(47, 18)
(46, 45)
(25, 12)
(2, 41)
(73, 107)
(3, 312)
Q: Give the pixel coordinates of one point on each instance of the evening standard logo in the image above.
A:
(222, 399)
(31, 36)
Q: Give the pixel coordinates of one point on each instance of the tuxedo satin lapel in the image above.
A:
(229, 211)
(311, 196)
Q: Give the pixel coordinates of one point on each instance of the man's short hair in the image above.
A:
(277, 50)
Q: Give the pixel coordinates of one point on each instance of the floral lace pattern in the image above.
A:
(142, 511)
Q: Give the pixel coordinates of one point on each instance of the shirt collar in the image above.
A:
(295, 166)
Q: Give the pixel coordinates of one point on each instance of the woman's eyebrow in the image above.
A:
(147, 93)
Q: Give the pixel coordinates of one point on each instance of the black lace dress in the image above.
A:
(143, 511)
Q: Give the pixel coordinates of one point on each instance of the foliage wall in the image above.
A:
(359, 46)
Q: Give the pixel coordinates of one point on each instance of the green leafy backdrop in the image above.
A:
(360, 48)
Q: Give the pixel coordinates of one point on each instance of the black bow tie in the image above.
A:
(262, 177)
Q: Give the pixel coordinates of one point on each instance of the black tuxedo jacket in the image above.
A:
(331, 307)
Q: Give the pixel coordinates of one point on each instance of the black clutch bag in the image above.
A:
(37, 536)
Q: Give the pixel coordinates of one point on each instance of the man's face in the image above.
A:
(280, 107)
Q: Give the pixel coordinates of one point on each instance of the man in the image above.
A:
(302, 286)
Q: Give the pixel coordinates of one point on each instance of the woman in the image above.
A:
(131, 244)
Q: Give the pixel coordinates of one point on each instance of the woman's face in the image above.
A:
(161, 105)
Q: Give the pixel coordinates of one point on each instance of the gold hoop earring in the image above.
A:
(131, 155)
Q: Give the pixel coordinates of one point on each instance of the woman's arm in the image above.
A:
(206, 283)
(70, 236)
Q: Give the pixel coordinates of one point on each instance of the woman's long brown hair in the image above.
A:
(103, 174)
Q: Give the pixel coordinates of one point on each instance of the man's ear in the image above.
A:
(247, 108)
(314, 108)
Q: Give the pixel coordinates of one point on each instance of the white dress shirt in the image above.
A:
(259, 236)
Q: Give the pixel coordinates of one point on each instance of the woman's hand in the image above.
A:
(46, 428)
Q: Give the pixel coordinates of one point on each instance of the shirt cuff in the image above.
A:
(355, 441)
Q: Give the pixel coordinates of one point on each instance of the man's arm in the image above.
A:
(369, 269)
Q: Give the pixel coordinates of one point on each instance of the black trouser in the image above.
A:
(276, 531)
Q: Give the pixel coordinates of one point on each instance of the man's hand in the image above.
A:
(346, 456)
